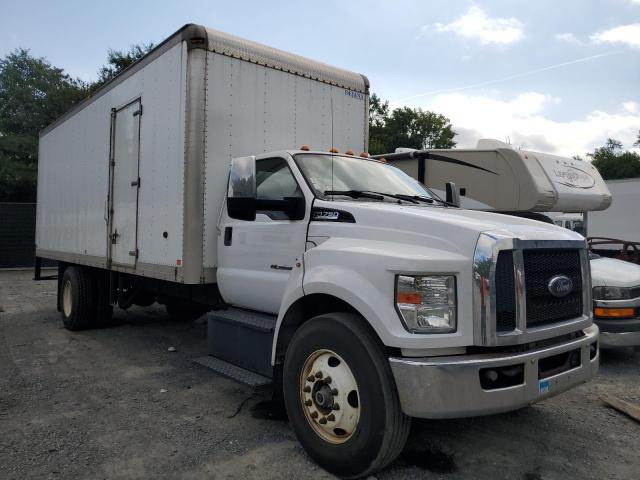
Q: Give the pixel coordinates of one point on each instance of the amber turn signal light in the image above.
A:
(412, 298)
(601, 312)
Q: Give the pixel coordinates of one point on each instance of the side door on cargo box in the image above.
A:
(124, 182)
(255, 258)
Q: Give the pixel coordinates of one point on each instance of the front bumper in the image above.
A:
(619, 339)
(449, 387)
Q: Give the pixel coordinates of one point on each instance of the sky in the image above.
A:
(557, 76)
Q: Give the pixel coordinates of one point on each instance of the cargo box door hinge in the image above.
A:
(138, 112)
(134, 253)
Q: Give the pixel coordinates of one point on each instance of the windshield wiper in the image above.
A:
(370, 194)
(415, 198)
(429, 200)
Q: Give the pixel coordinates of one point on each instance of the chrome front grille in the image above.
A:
(512, 300)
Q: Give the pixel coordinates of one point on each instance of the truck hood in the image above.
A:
(608, 272)
(437, 227)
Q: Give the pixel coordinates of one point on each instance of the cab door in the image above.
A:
(256, 257)
(124, 184)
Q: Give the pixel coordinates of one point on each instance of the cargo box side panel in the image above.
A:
(160, 206)
(73, 177)
(253, 109)
(73, 174)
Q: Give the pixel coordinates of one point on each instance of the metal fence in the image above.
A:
(17, 234)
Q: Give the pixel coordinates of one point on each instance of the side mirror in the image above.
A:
(453, 194)
(241, 194)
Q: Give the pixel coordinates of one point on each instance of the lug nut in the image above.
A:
(334, 391)
(314, 414)
(310, 378)
(327, 380)
(306, 389)
(319, 375)
(323, 420)
(336, 406)
(308, 403)
(331, 417)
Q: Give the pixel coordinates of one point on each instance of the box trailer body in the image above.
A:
(134, 177)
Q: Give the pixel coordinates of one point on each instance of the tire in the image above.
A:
(77, 305)
(381, 429)
(184, 312)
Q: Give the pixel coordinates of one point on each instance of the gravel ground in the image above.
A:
(115, 403)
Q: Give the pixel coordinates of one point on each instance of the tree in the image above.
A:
(118, 60)
(613, 162)
(406, 127)
(33, 94)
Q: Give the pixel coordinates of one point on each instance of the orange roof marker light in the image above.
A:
(349, 152)
(364, 155)
(305, 148)
(333, 150)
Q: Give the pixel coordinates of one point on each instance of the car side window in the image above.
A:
(275, 181)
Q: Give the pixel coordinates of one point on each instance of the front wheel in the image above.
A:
(341, 397)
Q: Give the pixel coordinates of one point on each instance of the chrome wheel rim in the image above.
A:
(329, 396)
(66, 298)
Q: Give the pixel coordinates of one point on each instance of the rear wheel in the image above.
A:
(77, 299)
(341, 397)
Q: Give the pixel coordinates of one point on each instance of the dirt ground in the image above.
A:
(116, 403)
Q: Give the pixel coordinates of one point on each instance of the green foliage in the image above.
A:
(406, 127)
(614, 163)
(33, 94)
(118, 60)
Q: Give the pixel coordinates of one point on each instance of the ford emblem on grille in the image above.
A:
(560, 286)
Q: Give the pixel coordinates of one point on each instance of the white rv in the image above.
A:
(339, 279)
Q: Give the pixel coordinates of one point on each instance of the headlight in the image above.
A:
(427, 304)
(611, 293)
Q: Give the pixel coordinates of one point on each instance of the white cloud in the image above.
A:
(476, 24)
(625, 34)
(522, 119)
(567, 37)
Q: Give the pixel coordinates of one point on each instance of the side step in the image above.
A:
(229, 370)
(240, 344)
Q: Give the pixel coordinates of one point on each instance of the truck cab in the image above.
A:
(385, 297)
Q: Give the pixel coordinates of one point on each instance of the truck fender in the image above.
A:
(335, 292)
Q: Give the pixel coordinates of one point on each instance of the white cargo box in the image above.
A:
(495, 176)
(134, 177)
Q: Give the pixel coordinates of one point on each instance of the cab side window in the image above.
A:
(275, 181)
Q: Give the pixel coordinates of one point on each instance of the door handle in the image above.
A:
(228, 234)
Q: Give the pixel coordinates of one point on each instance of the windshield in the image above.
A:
(337, 173)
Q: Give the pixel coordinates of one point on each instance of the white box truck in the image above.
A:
(340, 279)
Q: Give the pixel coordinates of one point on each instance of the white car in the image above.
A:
(616, 301)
